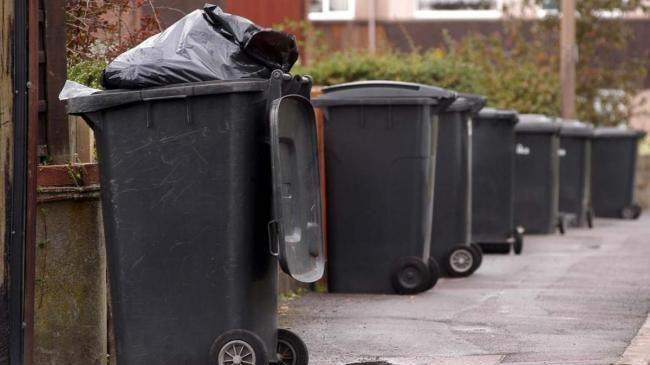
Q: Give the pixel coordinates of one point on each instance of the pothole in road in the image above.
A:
(371, 363)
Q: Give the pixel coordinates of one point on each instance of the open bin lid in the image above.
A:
(576, 128)
(467, 103)
(385, 93)
(618, 132)
(504, 115)
(297, 225)
(537, 123)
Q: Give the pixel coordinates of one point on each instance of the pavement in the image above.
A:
(582, 298)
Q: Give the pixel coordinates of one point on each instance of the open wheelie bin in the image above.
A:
(206, 187)
(451, 243)
(380, 152)
(537, 174)
(613, 169)
(575, 172)
(493, 172)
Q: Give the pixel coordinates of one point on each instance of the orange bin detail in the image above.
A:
(316, 91)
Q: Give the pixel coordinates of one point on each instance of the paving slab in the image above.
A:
(574, 299)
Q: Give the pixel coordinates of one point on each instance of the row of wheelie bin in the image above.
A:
(392, 149)
(208, 188)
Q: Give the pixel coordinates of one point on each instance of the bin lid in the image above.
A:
(296, 227)
(537, 123)
(576, 128)
(113, 98)
(504, 115)
(467, 103)
(384, 93)
(618, 132)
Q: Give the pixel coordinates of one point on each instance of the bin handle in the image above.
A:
(272, 230)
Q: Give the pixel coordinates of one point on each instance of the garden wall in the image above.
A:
(72, 323)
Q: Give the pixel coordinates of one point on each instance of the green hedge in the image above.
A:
(87, 73)
(430, 68)
(526, 84)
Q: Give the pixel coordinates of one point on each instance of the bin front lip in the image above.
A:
(467, 103)
(537, 123)
(384, 92)
(406, 89)
(617, 132)
(114, 98)
(504, 115)
(324, 102)
(576, 128)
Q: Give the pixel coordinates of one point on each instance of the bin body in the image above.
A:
(186, 190)
(380, 151)
(536, 174)
(575, 171)
(452, 210)
(614, 156)
(493, 169)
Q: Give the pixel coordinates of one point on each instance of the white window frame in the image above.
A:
(542, 13)
(458, 14)
(605, 14)
(327, 14)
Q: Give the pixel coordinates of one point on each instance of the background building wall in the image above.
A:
(70, 302)
(267, 13)
(642, 191)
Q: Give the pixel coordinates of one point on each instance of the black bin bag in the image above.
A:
(204, 45)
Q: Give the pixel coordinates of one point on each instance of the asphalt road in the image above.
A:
(576, 299)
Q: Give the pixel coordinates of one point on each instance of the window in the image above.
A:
(331, 9)
(458, 9)
(552, 7)
(549, 5)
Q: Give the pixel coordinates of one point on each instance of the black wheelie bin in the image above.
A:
(206, 187)
(380, 155)
(613, 168)
(575, 172)
(537, 173)
(493, 173)
(451, 244)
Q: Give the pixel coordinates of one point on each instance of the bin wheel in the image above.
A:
(631, 212)
(518, 244)
(461, 261)
(560, 226)
(291, 349)
(410, 275)
(434, 271)
(478, 257)
(637, 211)
(477, 248)
(627, 213)
(590, 218)
(238, 347)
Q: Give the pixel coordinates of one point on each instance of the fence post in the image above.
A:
(568, 58)
(6, 167)
(53, 57)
